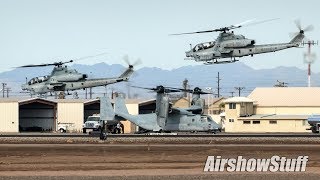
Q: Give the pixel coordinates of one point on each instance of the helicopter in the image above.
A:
(64, 79)
(167, 118)
(232, 46)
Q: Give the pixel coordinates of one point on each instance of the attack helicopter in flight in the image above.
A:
(64, 79)
(167, 118)
(231, 46)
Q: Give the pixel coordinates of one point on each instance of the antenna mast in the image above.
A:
(309, 58)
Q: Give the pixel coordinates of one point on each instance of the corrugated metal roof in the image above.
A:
(286, 96)
(238, 100)
(274, 117)
(72, 100)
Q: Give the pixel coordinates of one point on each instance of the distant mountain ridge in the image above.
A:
(232, 75)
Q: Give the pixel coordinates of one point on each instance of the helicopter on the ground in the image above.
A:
(167, 118)
(232, 46)
(64, 79)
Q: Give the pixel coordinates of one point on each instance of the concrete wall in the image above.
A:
(9, 117)
(71, 113)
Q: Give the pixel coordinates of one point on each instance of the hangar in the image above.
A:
(43, 115)
(37, 115)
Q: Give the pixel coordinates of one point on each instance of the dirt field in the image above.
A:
(175, 161)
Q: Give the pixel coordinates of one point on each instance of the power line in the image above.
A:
(239, 90)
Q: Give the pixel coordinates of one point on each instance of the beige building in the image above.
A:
(182, 102)
(36, 114)
(272, 110)
(71, 112)
(9, 115)
(215, 106)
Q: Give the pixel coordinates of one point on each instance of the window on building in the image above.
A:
(246, 122)
(255, 122)
(231, 120)
(273, 122)
(232, 106)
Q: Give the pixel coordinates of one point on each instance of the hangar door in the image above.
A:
(37, 115)
(90, 108)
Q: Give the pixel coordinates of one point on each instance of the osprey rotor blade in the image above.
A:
(152, 89)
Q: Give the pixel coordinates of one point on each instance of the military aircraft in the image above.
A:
(64, 79)
(166, 118)
(232, 46)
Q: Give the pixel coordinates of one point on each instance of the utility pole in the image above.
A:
(86, 93)
(3, 88)
(232, 92)
(218, 81)
(239, 89)
(90, 92)
(8, 90)
(185, 87)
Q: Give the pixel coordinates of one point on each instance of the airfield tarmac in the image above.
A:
(144, 161)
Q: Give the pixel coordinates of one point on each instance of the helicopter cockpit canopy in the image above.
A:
(38, 80)
(203, 46)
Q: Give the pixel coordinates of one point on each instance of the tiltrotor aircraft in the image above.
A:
(232, 46)
(167, 118)
(64, 79)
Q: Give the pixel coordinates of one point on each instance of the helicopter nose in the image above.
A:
(189, 54)
(24, 87)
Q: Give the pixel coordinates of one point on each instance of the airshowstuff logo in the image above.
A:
(273, 164)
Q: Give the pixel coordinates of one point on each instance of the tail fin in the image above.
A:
(125, 75)
(297, 39)
(106, 109)
(120, 106)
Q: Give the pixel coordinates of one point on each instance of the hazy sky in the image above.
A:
(43, 31)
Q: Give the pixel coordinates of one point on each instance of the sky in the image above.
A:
(44, 31)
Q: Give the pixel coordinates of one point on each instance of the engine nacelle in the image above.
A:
(70, 77)
(238, 43)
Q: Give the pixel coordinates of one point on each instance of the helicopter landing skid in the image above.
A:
(190, 59)
(220, 62)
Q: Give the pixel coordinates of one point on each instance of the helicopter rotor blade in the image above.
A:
(298, 24)
(126, 59)
(242, 23)
(257, 22)
(308, 28)
(137, 62)
(196, 32)
(239, 25)
(92, 56)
